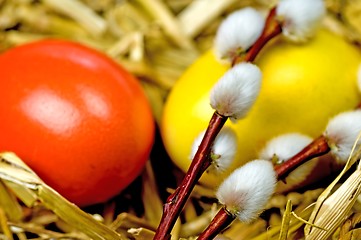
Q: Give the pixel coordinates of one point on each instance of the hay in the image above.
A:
(155, 40)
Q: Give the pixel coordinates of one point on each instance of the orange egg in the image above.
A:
(76, 117)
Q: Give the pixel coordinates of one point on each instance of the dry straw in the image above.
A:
(336, 208)
(332, 209)
(156, 40)
(28, 187)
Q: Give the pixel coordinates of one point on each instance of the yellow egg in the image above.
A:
(302, 87)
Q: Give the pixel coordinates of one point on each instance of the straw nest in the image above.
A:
(156, 40)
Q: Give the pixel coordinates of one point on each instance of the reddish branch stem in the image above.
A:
(200, 163)
(272, 29)
(176, 201)
(219, 222)
(318, 147)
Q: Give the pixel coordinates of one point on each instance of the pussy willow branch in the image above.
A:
(201, 161)
(318, 147)
(223, 218)
(219, 222)
(272, 29)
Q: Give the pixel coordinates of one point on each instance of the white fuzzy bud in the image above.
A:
(284, 146)
(247, 190)
(300, 18)
(238, 32)
(223, 150)
(342, 132)
(235, 92)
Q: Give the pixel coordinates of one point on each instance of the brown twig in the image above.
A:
(316, 148)
(272, 29)
(200, 163)
(223, 218)
(176, 201)
(219, 222)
